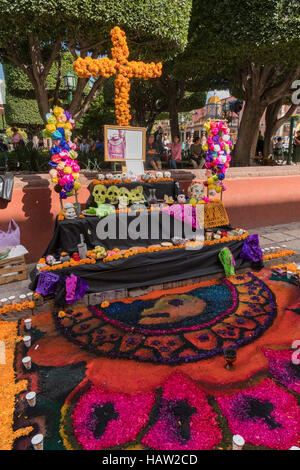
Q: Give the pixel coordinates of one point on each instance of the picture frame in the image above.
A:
(122, 144)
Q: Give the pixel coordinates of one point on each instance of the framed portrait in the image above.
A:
(124, 143)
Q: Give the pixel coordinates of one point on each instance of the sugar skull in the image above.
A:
(196, 191)
(112, 194)
(181, 199)
(99, 193)
(70, 212)
(167, 174)
(124, 192)
(101, 177)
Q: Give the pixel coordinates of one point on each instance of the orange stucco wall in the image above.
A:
(250, 202)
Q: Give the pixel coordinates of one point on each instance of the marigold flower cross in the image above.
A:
(124, 70)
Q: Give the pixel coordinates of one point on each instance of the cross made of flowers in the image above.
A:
(124, 70)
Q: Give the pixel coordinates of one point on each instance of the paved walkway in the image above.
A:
(281, 237)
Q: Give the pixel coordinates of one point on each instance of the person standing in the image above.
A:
(196, 154)
(176, 149)
(153, 153)
(16, 139)
(84, 146)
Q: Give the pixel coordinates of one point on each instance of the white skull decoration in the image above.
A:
(101, 177)
(99, 193)
(70, 212)
(181, 199)
(197, 191)
(159, 175)
(167, 174)
(109, 176)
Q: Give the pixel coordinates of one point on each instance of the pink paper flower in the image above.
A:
(185, 420)
(265, 415)
(103, 420)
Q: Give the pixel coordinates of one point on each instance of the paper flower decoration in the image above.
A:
(217, 148)
(64, 166)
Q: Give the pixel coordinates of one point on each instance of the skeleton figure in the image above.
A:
(70, 212)
(112, 194)
(196, 191)
(99, 194)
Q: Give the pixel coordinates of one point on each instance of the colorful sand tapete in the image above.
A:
(107, 380)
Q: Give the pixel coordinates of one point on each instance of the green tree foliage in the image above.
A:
(33, 32)
(255, 45)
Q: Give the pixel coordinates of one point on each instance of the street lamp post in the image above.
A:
(293, 121)
(69, 85)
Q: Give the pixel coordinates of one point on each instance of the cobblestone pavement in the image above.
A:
(285, 237)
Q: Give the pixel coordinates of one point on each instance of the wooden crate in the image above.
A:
(13, 269)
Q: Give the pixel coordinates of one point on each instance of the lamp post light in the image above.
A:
(70, 85)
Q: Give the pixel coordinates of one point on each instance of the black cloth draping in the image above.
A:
(66, 234)
(170, 188)
(152, 268)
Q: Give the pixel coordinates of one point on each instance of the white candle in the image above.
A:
(238, 442)
(27, 322)
(27, 341)
(27, 362)
(37, 442)
(31, 399)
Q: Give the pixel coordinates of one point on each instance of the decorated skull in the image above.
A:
(137, 195)
(109, 176)
(146, 177)
(197, 191)
(181, 199)
(112, 194)
(70, 212)
(167, 174)
(124, 192)
(101, 177)
(99, 193)
(159, 175)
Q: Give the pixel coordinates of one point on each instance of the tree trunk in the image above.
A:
(248, 133)
(273, 123)
(173, 114)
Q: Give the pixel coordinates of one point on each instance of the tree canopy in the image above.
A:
(34, 32)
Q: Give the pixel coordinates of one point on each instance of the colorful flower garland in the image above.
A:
(279, 254)
(117, 254)
(217, 148)
(64, 166)
(120, 181)
(124, 70)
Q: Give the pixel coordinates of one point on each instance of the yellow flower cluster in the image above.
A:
(9, 388)
(17, 306)
(124, 69)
